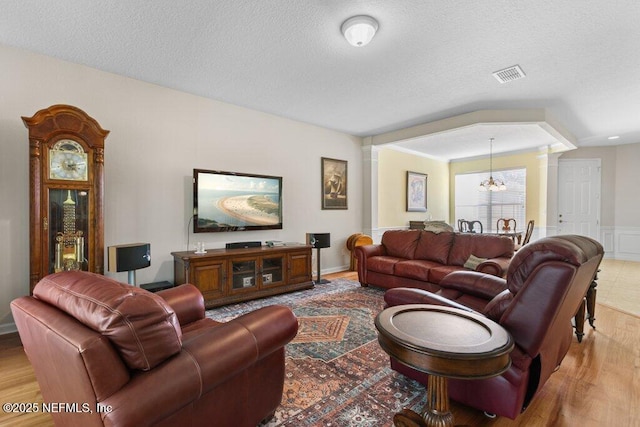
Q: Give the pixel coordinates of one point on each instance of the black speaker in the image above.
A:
(242, 245)
(319, 240)
(157, 286)
(129, 257)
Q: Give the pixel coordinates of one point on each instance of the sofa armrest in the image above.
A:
(403, 296)
(367, 251)
(239, 343)
(206, 361)
(362, 253)
(186, 301)
(480, 285)
(495, 266)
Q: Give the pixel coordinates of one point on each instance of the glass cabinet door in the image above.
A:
(68, 226)
(273, 270)
(243, 274)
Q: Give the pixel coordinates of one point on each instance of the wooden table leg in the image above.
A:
(436, 414)
(408, 418)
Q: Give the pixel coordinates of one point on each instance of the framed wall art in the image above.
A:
(416, 192)
(334, 183)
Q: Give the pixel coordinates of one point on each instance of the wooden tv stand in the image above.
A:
(227, 276)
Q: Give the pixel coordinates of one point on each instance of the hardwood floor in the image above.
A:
(598, 383)
(18, 384)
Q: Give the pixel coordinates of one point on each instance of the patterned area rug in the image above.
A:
(336, 373)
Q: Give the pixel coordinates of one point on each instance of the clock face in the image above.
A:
(68, 161)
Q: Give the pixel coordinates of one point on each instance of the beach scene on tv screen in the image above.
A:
(237, 201)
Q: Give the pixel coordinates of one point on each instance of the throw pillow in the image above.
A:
(473, 261)
(437, 226)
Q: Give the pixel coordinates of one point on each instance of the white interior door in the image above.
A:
(579, 197)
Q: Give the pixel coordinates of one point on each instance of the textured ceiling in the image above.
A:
(429, 60)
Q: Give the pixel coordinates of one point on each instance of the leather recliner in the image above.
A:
(122, 356)
(545, 284)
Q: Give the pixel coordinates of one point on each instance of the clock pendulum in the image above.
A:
(69, 246)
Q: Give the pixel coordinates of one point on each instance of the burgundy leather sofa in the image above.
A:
(150, 359)
(545, 284)
(421, 259)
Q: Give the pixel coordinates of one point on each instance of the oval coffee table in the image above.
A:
(445, 343)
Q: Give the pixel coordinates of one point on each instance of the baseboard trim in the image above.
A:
(338, 269)
(8, 328)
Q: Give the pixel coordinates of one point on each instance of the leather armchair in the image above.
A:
(545, 285)
(133, 358)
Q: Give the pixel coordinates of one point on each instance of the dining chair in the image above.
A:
(527, 235)
(529, 232)
(475, 226)
(505, 224)
(465, 226)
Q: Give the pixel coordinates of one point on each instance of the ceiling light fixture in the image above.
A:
(491, 184)
(614, 137)
(359, 30)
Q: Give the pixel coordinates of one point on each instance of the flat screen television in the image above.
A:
(231, 201)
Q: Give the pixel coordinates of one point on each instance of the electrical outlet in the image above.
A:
(267, 278)
(247, 281)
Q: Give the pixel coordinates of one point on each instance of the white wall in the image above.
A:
(158, 136)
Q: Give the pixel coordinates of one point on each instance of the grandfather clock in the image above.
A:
(66, 177)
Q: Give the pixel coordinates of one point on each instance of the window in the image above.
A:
(487, 206)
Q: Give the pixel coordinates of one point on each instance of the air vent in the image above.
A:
(509, 74)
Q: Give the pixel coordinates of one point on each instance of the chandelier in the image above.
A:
(492, 184)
